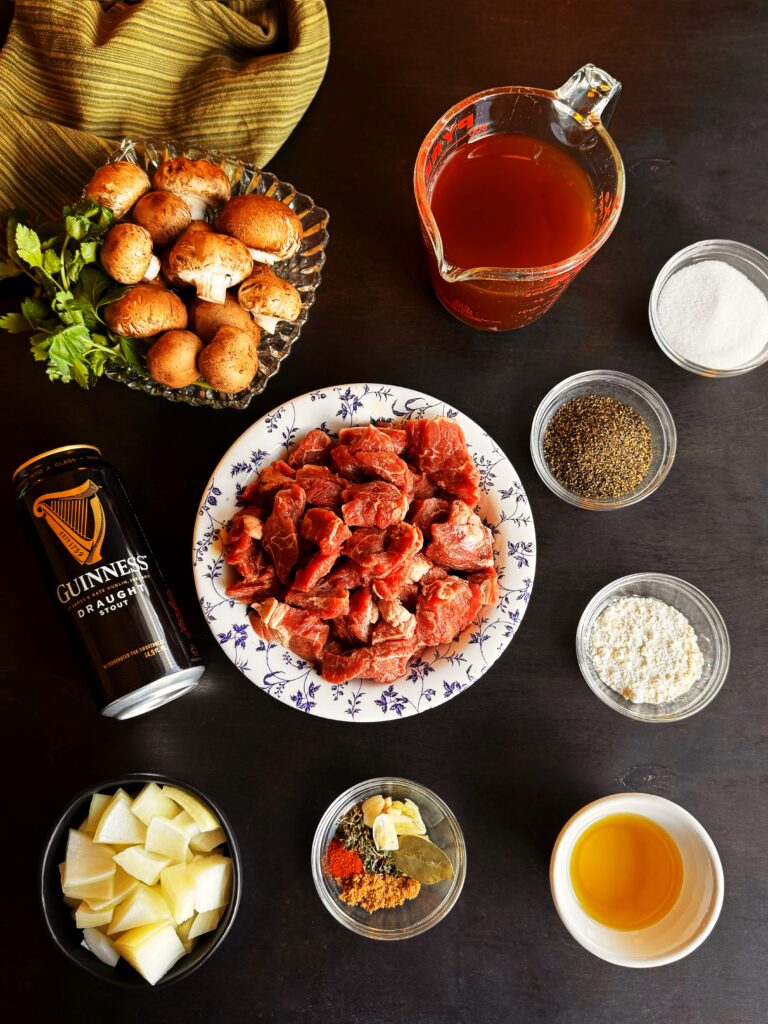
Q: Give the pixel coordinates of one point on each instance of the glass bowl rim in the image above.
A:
(47, 861)
(333, 905)
(558, 395)
(604, 597)
(685, 257)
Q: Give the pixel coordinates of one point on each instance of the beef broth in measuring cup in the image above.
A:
(517, 188)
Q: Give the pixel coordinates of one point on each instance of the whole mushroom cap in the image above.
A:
(118, 185)
(172, 359)
(196, 227)
(163, 214)
(146, 310)
(269, 298)
(203, 186)
(205, 318)
(126, 254)
(269, 228)
(229, 363)
(210, 261)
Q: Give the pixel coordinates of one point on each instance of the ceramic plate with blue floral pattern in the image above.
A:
(441, 672)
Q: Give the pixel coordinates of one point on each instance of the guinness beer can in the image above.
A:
(107, 582)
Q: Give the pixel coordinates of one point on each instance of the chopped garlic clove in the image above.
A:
(411, 810)
(372, 808)
(384, 833)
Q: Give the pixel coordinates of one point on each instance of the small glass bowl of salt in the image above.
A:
(709, 308)
(642, 648)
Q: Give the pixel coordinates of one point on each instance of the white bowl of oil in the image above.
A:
(636, 880)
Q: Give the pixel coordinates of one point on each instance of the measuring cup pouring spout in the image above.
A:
(572, 118)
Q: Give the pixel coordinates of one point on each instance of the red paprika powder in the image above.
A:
(342, 862)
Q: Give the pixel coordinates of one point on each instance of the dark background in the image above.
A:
(529, 744)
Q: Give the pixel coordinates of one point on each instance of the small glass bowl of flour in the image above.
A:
(653, 647)
(709, 308)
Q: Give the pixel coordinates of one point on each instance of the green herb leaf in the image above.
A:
(99, 289)
(51, 262)
(13, 219)
(88, 251)
(28, 246)
(98, 358)
(104, 220)
(62, 258)
(132, 351)
(77, 226)
(66, 349)
(36, 311)
(15, 323)
(74, 269)
(39, 344)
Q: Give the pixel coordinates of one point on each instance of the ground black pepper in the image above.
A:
(598, 448)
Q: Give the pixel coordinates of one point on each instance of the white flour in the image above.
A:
(645, 650)
(713, 315)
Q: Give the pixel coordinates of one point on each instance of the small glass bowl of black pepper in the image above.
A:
(603, 440)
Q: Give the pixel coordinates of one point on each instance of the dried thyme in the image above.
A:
(356, 836)
(597, 447)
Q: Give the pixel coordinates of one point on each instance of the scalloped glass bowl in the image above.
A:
(629, 391)
(702, 614)
(303, 270)
(433, 902)
(748, 261)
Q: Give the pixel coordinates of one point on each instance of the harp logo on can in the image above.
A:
(77, 518)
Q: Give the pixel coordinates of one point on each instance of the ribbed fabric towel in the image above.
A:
(75, 77)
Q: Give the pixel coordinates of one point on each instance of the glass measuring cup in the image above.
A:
(573, 119)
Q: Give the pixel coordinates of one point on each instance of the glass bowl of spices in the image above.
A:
(388, 859)
(709, 308)
(602, 440)
(653, 647)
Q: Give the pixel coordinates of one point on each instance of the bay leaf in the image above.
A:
(418, 858)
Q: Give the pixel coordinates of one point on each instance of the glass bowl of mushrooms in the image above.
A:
(225, 281)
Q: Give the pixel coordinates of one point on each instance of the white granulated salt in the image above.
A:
(713, 315)
(645, 650)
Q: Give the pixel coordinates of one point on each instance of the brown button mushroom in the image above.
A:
(118, 186)
(205, 318)
(163, 215)
(196, 227)
(172, 360)
(269, 299)
(145, 310)
(167, 274)
(211, 262)
(231, 360)
(203, 186)
(126, 254)
(269, 228)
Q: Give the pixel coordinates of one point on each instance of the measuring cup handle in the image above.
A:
(591, 92)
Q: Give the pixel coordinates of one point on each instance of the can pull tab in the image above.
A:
(591, 93)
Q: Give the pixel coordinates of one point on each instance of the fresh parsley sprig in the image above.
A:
(64, 315)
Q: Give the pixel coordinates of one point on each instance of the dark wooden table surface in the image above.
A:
(529, 744)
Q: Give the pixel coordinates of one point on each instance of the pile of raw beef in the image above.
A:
(357, 554)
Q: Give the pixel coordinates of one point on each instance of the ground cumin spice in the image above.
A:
(377, 892)
(341, 862)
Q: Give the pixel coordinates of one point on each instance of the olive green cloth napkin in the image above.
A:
(78, 75)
